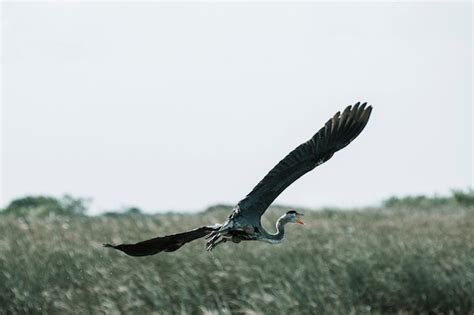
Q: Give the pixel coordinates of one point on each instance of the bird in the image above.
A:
(244, 222)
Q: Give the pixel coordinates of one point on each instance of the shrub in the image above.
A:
(46, 206)
(464, 198)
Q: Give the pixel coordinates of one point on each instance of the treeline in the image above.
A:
(457, 198)
(47, 206)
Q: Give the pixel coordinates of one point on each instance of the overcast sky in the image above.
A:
(182, 106)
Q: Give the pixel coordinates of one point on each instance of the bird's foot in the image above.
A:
(212, 234)
(214, 241)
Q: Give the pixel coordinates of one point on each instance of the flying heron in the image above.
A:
(244, 223)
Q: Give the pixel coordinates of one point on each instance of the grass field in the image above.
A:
(409, 256)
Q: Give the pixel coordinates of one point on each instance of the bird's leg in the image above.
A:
(216, 232)
(215, 243)
(212, 240)
(212, 234)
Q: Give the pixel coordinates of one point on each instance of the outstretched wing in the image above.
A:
(338, 132)
(168, 243)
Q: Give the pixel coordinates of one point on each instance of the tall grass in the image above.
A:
(395, 259)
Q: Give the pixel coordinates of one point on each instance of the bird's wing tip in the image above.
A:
(363, 106)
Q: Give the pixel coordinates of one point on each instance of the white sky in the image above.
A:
(181, 106)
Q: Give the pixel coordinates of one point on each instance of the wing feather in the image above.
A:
(337, 133)
(168, 243)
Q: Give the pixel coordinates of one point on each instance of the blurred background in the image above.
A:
(181, 106)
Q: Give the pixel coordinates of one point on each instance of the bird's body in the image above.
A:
(237, 230)
(244, 223)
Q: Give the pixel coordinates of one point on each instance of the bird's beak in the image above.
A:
(299, 221)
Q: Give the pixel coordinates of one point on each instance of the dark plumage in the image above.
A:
(244, 221)
(168, 243)
(337, 133)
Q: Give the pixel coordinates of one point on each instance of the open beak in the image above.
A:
(299, 221)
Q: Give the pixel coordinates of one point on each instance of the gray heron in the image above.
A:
(244, 222)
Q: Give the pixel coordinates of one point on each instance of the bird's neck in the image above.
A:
(280, 226)
(280, 232)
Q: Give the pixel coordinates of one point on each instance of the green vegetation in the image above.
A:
(41, 206)
(458, 198)
(412, 255)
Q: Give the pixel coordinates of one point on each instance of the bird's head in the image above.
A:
(294, 217)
